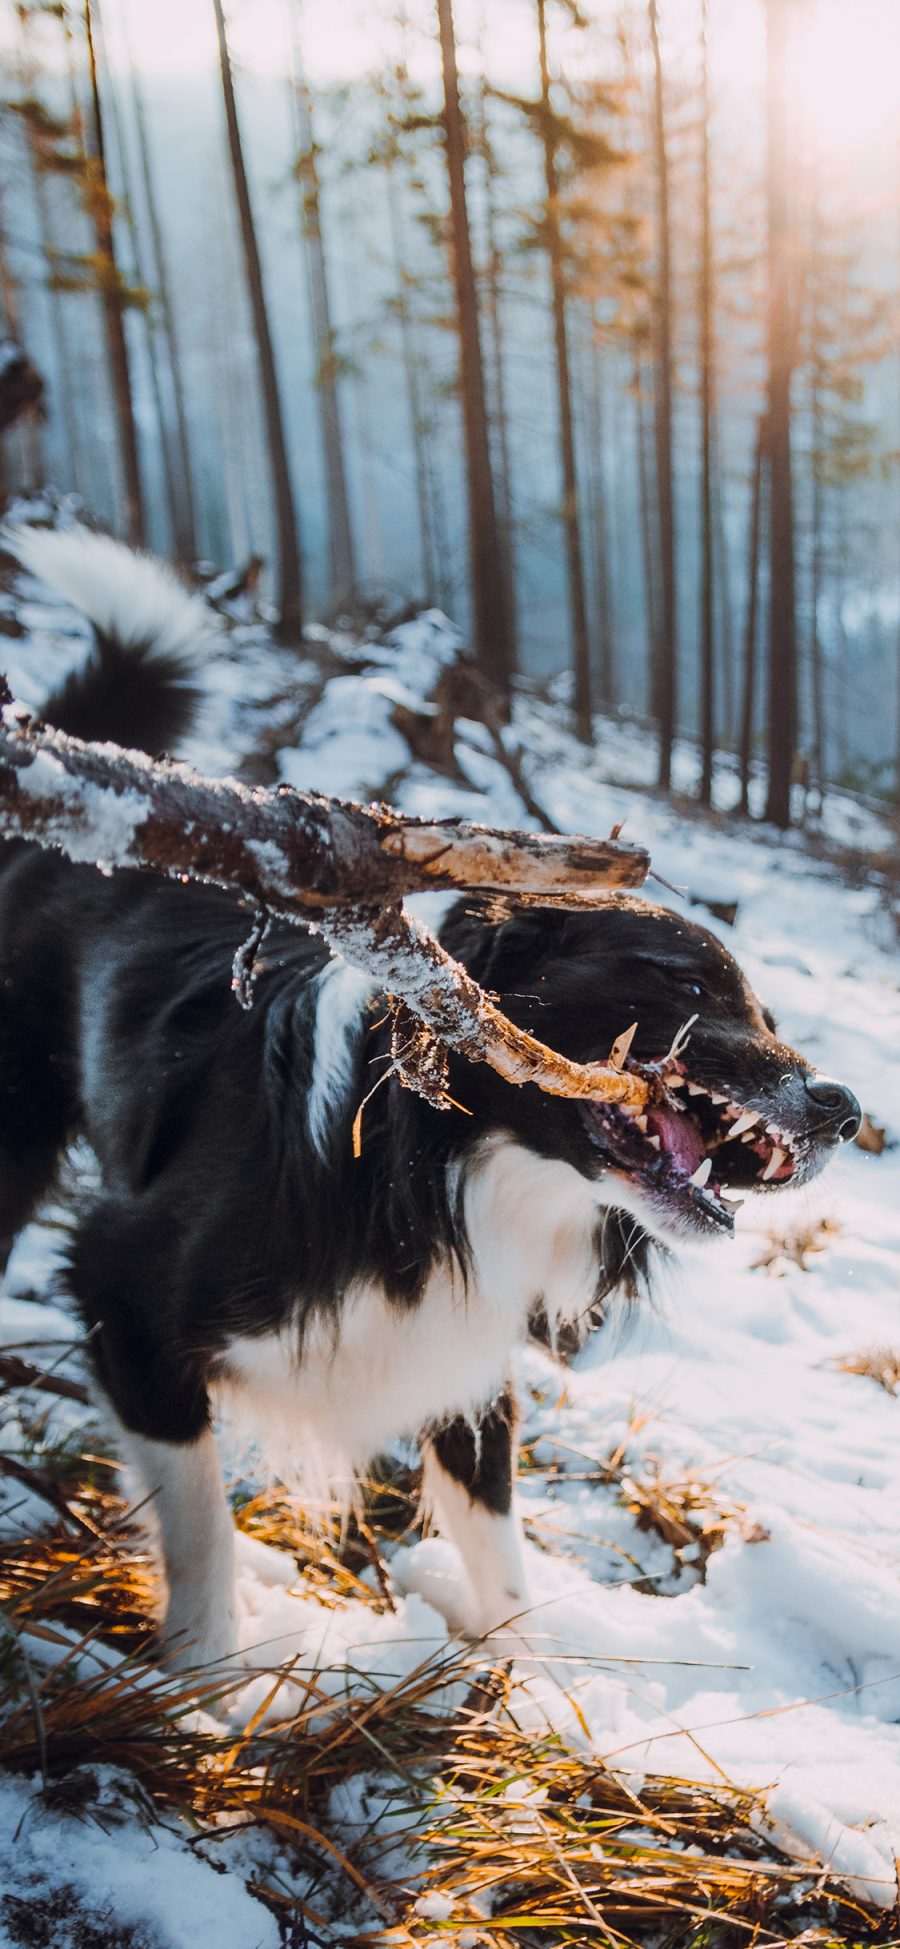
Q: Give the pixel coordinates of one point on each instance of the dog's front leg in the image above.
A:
(184, 1487)
(468, 1482)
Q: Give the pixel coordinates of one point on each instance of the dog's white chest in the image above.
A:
(383, 1371)
(375, 1370)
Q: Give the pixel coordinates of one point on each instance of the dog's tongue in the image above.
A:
(679, 1138)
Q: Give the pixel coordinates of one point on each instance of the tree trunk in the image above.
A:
(491, 622)
(668, 623)
(492, 283)
(606, 675)
(340, 531)
(649, 540)
(138, 275)
(290, 593)
(412, 372)
(751, 626)
(817, 511)
(100, 207)
(581, 655)
(185, 518)
(721, 565)
(782, 674)
(707, 638)
(48, 253)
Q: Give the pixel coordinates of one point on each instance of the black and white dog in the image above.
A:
(238, 1243)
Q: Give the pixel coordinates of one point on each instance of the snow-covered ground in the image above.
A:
(776, 1666)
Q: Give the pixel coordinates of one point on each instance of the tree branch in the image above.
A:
(340, 867)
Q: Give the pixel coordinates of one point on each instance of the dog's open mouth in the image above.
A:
(692, 1150)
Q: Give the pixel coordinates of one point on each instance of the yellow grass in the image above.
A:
(528, 1841)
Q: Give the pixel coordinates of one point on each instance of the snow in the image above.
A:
(112, 1864)
(777, 1668)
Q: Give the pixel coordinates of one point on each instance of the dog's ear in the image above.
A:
(497, 941)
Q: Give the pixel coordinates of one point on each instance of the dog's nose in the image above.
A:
(839, 1107)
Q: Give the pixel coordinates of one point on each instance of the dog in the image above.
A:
(236, 1242)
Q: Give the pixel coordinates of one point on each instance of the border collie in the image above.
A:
(236, 1241)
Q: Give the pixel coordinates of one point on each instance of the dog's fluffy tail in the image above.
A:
(136, 687)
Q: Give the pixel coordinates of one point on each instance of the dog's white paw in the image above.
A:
(208, 1644)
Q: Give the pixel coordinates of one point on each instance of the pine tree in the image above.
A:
(184, 508)
(705, 308)
(290, 587)
(40, 151)
(782, 665)
(419, 295)
(114, 293)
(667, 693)
(581, 653)
(491, 622)
(340, 530)
(751, 627)
(492, 281)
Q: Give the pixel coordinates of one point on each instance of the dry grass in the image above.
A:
(796, 1247)
(881, 1364)
(553, 1847)
(684, 1511)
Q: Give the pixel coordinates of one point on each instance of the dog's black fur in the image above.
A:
(218, 1217)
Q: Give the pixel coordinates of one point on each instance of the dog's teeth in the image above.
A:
(675, 1082)
(775, 1162)
(731, 1204)
(742, 1123)
(641, 1124)
(749, 1137)
(716, 1097)
(702, 1173)
(654, 1141)
(696, 1089)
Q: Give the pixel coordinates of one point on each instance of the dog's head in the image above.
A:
(742, 1110)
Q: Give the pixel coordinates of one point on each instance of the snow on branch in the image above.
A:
(341, 867)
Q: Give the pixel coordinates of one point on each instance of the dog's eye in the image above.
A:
(694, 988)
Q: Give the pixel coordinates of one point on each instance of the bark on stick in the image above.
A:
(342, 867)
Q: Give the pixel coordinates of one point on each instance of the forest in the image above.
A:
(576, 321)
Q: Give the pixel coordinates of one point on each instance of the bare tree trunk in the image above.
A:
(113, 299)
(138, 274)
(185, 518)
(668, 622)
(751, 626)
(782, 674)
(412, 372)
(492, 282)
(54, 309)
(581, 654)
(290, 592)
(340, 531)
(707, 638)
(721, 565)
(817, 512)
(649, 544)
(37, 150)
(491, 622)
(606, 677)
